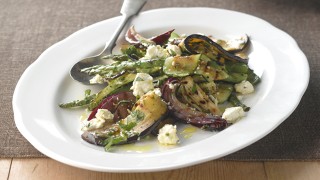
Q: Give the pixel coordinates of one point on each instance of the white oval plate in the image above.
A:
(274, 55)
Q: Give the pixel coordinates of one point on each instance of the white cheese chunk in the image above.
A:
(156, 52)
(157, 91)
(173, 50)
(245, 87)
(102, 116)
(97, 79)
(231, 115)
(236, 43)
(92, 124)
(168, 135)
(171, 86)
(142, 84)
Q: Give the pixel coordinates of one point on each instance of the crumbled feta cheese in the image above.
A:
(92, 124)
(156, 52)
(183, 35)
(97, 79)
(157, 91)
(168, 135)
(102, 116)
(245, 87)
(142, 84)
(173, 49)
(236, 43)
(231, 115)
(240, 97)
(171, 86)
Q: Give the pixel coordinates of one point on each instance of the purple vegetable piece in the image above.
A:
(118, 104)
(188, 114)
(162, 38)
(133, 37)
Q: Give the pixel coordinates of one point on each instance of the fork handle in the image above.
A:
(132, 7)
(129, 9)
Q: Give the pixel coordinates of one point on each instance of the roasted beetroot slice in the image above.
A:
(133, 37)
(118, 104)
(162, 38)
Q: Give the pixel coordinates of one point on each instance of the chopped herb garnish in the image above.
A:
(172, 52)
(136, 115)
(113, 140)
(128, 126)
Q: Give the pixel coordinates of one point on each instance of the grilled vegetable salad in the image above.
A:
(157, 81)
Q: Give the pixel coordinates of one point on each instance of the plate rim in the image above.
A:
(19, 122)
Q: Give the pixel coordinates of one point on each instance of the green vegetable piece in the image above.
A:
(205, 70)
(221, 74)
(113, 140)
(199, 78)
(233, 99)
(144, 65)
(180, 66)
(112, 86)
(236, 77)
(187, 100)
(224, 91)
(135, 116)
(117, 57)
(198, 96)
(79, 103)
(173, 36)
(210, 70)
(237, 67)
(128, 126)
(133, 52)
(208, 87)
(121, 89)
(253, 78)
(87, 92)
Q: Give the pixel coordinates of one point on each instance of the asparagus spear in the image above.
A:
(143, 65)
(117, 57)
(233, 99)
(113, 85)
(79, 103)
